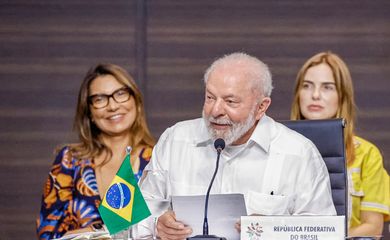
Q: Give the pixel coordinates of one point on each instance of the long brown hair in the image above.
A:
(344, 86)
(90, 145)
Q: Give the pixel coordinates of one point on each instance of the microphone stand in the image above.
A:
(219, 144)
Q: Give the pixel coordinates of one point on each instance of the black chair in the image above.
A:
(328, 136)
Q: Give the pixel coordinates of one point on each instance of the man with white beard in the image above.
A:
(279, 171)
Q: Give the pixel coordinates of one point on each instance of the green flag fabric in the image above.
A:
(123, 204)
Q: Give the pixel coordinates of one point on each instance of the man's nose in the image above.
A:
(218, 108)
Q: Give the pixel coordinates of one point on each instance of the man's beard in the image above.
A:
(235, 131)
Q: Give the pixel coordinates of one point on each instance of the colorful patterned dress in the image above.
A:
(71, 197)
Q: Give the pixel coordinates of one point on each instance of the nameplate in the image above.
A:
(292, 228)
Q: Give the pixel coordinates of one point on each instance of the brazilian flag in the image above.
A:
(123, 204)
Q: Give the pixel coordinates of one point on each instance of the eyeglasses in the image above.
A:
(101, 100)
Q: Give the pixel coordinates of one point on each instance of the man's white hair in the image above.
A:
(257, 71)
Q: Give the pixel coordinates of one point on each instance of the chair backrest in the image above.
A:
(328, 136)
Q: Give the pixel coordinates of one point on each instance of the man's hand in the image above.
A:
(169, 229)
(237, 226)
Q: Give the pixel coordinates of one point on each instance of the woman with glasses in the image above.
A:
(110, 116)
(324, 90)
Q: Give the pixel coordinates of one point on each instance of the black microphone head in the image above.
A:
(219, 144)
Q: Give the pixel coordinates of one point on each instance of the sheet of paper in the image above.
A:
(86, 236)
(223, 212)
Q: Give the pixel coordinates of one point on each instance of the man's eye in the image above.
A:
(232, 102)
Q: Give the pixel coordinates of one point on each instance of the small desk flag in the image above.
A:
(123, 204)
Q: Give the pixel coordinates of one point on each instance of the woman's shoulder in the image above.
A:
(146, 152)
(366, 150)
(63, 153)
(66, 155)
(363, 144)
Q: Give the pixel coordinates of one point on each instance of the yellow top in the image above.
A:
(369, 183)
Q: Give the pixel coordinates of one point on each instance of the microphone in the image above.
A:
(219, 145)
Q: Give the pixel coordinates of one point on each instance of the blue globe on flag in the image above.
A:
(118, 196)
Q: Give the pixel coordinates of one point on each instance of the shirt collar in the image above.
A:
(262, 133)
(204, 136)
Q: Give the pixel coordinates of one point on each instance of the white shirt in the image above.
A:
(279, 171)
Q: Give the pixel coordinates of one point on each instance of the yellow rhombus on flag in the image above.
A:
(123, 204)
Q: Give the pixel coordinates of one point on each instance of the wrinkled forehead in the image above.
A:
(229, 83)
(230, 76)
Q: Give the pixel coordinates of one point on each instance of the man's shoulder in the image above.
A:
(291, 139)
(292, 143)
(194, 128)
(288, 133)
(187, 125)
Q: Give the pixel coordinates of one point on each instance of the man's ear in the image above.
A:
(262, 107)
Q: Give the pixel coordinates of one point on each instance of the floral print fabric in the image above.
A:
(70, 195)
